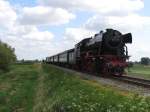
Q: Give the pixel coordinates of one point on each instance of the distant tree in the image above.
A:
(137, 62)
(36, 60)
(22, 60)
(7, 56)
(145, 60)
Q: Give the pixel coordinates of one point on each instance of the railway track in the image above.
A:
(134, 80)
(127, 79)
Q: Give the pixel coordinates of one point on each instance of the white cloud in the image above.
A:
(40, 36)
(131, 22)
(140, 46)
(42, 15)
(102, 6)
(24, 38)
(28, 42)
(7, 14)
(77, 34)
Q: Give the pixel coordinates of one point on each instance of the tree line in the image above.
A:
(145, 60)
(7, 56)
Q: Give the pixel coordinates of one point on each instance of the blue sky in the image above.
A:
(39, 28)
(23, 2)
(146, 9)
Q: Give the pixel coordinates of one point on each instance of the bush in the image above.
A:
(145, 60)
(7, 56)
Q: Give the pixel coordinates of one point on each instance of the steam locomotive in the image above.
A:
(105, 53)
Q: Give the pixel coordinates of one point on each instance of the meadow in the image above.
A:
(43, 88)
(140, 70)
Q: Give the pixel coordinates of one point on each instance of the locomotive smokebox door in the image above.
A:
(127, 38)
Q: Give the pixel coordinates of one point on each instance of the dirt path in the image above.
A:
(40, 94)
(41, 102)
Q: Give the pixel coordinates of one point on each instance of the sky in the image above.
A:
(41, 28)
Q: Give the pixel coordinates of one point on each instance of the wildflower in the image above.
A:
(133, 108)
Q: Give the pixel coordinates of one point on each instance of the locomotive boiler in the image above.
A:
(105, 53)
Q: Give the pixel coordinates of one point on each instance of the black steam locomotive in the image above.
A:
(106, 53)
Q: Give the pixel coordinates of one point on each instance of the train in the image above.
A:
(105, 54)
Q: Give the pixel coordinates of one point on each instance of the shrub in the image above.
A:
(145, 60)
(7, 56)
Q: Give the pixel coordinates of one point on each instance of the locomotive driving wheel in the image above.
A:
(118, 71)
(87, 65)
(90, 65)
(107, 70)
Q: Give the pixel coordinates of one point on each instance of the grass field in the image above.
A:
(17, 89)
(140, 70)
(43, 88)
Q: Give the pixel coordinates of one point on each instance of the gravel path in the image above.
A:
(111, 82)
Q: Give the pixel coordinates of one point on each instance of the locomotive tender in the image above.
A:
(105, 53)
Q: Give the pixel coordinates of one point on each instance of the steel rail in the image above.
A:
(134, 80)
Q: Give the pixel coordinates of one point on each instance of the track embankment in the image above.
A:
(123, 84)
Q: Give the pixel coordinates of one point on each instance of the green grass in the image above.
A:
(36, 88)
(140, 70)
(71, 94)
(17, 89)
